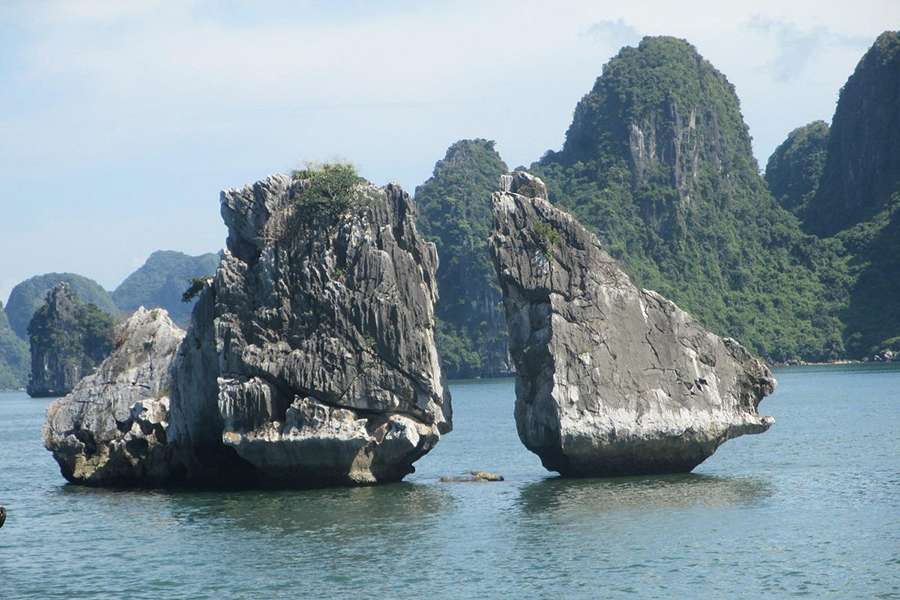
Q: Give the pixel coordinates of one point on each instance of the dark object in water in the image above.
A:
(2, 516)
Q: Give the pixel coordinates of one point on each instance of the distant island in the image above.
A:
(158, 283)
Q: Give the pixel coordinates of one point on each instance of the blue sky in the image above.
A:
(121, 121)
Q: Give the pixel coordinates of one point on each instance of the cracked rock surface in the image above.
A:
(611, 379)
(111, 429)
(310, 359)
(328, 371)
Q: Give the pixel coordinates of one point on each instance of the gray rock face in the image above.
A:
(324, 337)
(310, 359)
(612, 379)
(112, 428)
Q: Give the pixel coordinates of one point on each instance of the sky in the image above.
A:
(120, 122)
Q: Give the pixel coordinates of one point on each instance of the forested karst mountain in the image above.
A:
(795, 168)
(14, 359)
(658, 161)
(30, 295)
(851, 192)
(161, 281)
(68, 338)
(862, 169)
(455, 212)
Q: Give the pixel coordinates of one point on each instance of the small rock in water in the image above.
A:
(472, 476)
(2, 516)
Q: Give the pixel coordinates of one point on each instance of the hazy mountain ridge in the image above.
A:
(158, 283)
(28, 296)
(161, 281)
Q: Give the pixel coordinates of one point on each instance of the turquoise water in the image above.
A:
(810, 508)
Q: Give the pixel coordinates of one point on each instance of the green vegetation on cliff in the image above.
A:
(455, 213)
(658, 161)
(14, 359)
(327, 192)
(862, 169)
(69, 338)
(848, 185)
(161, 281)
(873, 315)
(28, 296)
(795, 168)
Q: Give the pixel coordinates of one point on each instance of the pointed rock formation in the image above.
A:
(112, 428)
(323, 329)
(611, 379)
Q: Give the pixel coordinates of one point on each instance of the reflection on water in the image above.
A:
(573, 496)
(355, 510)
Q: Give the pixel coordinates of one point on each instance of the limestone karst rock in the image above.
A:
(324, 327)
(68, 339)
(112, 428)
(310, 359)
(611, 379)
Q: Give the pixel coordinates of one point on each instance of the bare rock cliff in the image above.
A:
(611, 379)
(112, 428)
(310, 359)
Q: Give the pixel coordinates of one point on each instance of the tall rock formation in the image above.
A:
(455, 212)
(611, 379)
(28, 296)
(68, 340)
(112, 428)
(658, 162)
(862, 169)
(160, 282)
(850, 192)
(310, 359)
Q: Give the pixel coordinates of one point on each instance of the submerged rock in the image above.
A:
(310, 359)
(471, 476)
(611, 379)
(112, 428)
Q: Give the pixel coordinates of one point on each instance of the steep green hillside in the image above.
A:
(850, 187)
(873, 315)
(14, 359)
(658, 160)
(795, 168)
(28, 296)
(161, 281)
(455, 213)
(862, 170)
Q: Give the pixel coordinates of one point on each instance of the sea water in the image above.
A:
(810, 508)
